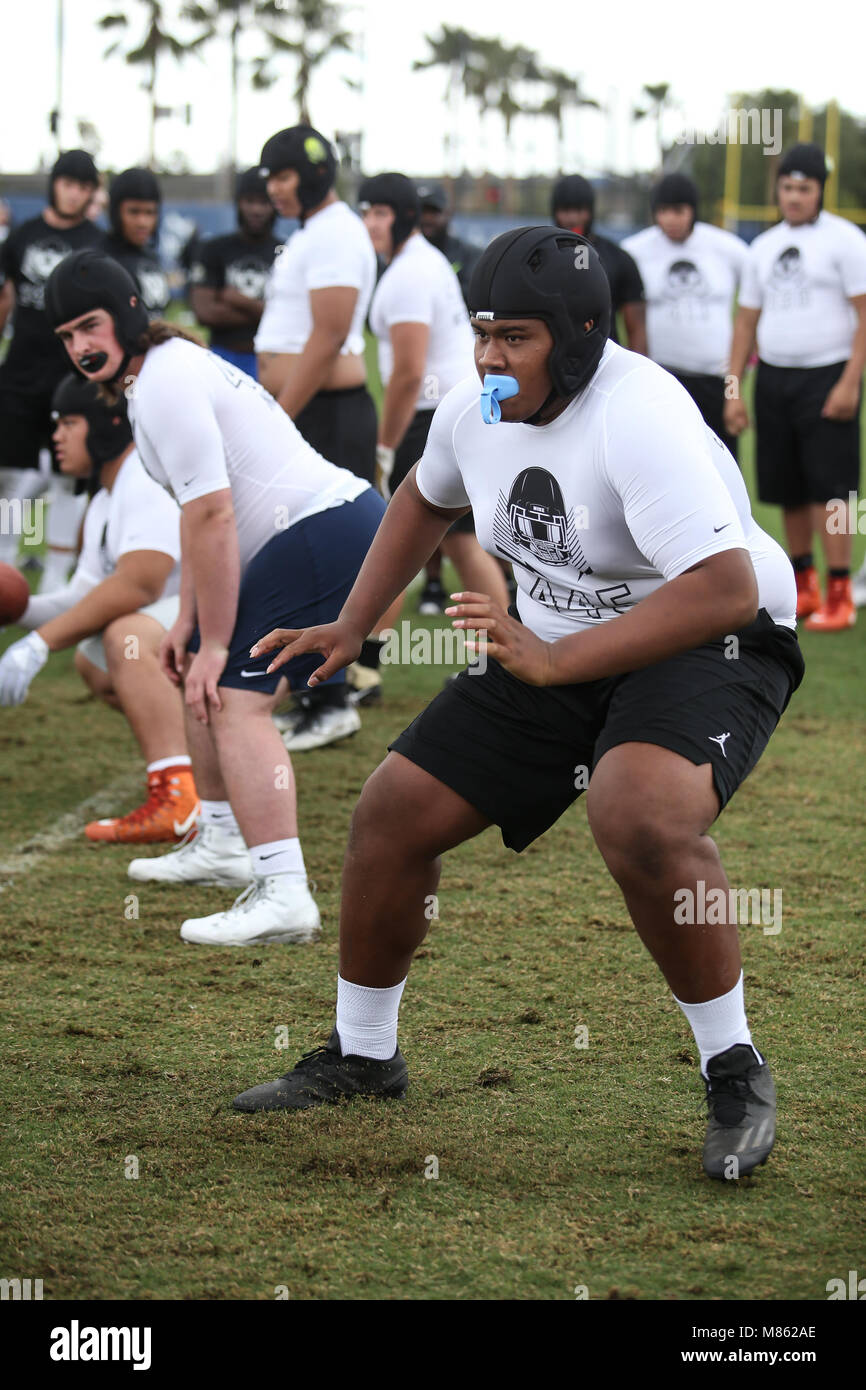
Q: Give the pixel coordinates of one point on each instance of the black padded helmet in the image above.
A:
(140, 184)
(108, 428)
(803, 161)
(398, 192)
(572, 191)
(72, 164)
(88, 280)
(554, 275)
(672, 190)
(303, 149)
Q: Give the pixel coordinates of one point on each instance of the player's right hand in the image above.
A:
(735, 416)
(339, 644)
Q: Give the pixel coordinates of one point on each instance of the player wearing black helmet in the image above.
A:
(268, 527)
(691, 272)
(134, 199)
(35, 363)
(573, 207)
(121, 599)
(435, 224)
(628, 525)
(310, 349)
(229, 274)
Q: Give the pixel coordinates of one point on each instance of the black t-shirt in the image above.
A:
(463, 257)
(36, 360)
(623, 276)
(243, 265)
(145, 269)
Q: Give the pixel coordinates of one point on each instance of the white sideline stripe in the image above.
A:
(31, 852)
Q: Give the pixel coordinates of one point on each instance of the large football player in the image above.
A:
(638, 562)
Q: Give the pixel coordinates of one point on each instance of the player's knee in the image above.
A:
(638, 846)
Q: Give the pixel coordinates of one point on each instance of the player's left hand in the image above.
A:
(842, 402)
(18, 665)
(202, 679)
(507, 640)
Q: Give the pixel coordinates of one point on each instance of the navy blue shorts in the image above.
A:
(244, 361)
(301, 578)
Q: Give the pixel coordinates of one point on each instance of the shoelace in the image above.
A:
(307, 1058)
(158, 789)
(249, 897)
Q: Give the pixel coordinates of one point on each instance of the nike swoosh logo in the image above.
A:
(250, 674)
(721, 528)
(184, 826)
(271, 856)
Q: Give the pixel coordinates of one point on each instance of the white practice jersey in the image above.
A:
(331, 250)
(420, 286)
(201, 425)
(135, 515)
(801, 278)
(625, 490)
(690, 288)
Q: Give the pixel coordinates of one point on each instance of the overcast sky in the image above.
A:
(613, 48)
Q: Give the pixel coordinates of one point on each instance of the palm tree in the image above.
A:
(659, 100)
(565, 93)
(452, 49)
(156, 44)
(318, 32)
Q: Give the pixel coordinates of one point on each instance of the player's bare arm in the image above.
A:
(843, 400)
(138, 581)
(332, 311)
(742, 346)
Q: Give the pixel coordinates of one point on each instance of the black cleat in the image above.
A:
(741, 1100)
(325, 1076)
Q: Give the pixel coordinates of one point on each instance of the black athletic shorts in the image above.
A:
(516, 751)
(708, 394)
(301, 578)
(25, 428)
(409, 452)
(342, 427)
(803, 458)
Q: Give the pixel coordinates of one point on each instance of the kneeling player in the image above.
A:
(116, 608)
(629, 529)
(268, 527)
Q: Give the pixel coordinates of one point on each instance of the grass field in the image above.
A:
(558, 1166)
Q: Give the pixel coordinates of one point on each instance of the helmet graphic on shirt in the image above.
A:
(536, 515)
(248, 276)
(685, 279)
(787, 266)
(41, 257)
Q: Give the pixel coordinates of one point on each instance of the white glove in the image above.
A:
(18, 665)
(384, 467)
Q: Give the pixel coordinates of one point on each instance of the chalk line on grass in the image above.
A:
(31, 852)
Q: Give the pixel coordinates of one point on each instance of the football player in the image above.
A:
(116, 609)
(638, 561)
(268, 526)
(134, 199)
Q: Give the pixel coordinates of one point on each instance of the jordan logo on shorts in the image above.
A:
(719, 739)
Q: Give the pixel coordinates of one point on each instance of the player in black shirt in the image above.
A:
(229, 272)
(36, 362)
(573, 208)
(435, 217)
(134, 202)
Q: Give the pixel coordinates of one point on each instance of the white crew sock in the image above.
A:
(367, 1019)
(179, 760)
(220, 814)
(279, 857)
(719, 1024)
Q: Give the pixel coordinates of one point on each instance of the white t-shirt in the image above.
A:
(625, 490)
(690, 287)
(201, 425)
(801, 278)
(135, 515)
(331, 249)
(419, 286)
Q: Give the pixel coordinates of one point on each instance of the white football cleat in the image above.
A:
(277, 908)
(321, 725)
(858, 587)
(212, 856)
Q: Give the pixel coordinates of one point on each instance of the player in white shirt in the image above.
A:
(310, 349)
(267, 526)
(425, 347)
(690, 272)
(116, 608)
(652, 657)
(803, 295)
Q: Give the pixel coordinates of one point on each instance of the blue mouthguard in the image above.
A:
(494, 390)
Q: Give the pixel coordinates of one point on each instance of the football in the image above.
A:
(14, 594)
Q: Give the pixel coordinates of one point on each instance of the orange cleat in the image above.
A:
(838, 610)
(168, 814)
(808, 592)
